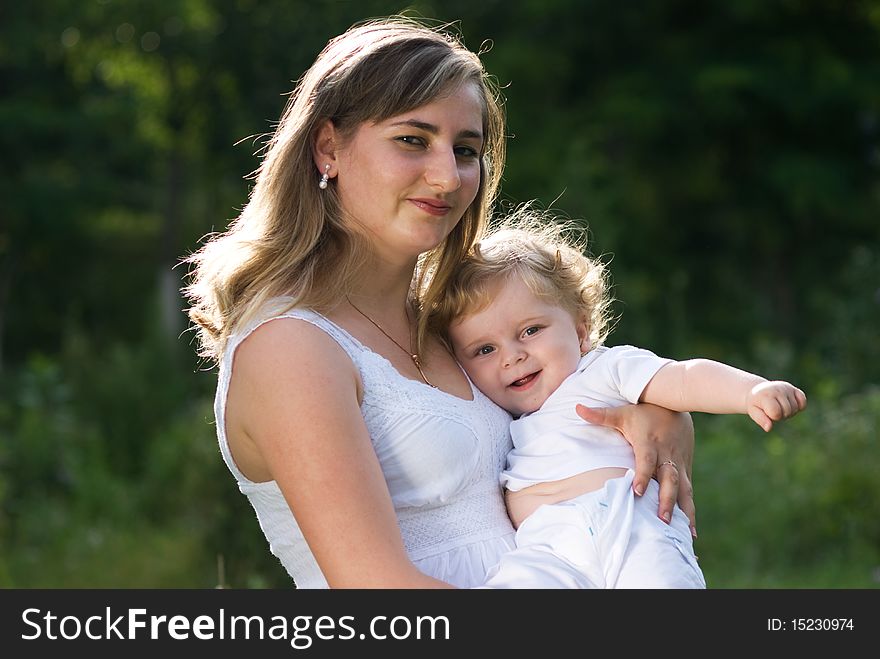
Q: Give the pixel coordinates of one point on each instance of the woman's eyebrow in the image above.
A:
(434, 130)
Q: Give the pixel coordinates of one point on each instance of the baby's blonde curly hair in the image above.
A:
(550, 258)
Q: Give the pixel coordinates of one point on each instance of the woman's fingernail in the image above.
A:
(666, 517)
(640, 489)
(694, 531)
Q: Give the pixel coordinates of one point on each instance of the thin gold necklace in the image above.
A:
(412, 355)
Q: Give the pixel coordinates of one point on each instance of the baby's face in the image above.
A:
(520, 348)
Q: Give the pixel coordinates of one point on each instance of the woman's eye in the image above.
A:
(466, 152)
(411, 140)
(485, 350)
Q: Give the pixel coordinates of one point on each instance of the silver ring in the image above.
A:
(667, 462)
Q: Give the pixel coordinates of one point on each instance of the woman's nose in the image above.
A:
(442, 171)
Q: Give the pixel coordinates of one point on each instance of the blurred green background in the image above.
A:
(725, 155)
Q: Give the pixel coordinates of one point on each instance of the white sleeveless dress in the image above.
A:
(441, 456)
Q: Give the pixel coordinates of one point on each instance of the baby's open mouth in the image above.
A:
(524, 380)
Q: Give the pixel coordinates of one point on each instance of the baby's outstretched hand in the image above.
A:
(773, 401)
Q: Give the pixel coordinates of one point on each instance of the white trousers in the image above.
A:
(608, 538)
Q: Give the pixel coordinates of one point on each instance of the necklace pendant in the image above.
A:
(413, 356)
(418, 363)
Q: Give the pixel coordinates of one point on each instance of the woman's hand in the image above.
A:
(663, 442)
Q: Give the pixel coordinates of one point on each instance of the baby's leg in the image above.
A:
(535, 567)
(555, 549)
(658, 555)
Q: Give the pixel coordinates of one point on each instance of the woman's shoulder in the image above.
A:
(293, 337)
(288, 357)
(278, 323)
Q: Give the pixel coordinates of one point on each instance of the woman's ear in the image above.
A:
(324, 149)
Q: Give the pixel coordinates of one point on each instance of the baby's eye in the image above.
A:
(485, 350)
(534, 329)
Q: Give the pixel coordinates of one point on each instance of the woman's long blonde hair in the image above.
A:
(290, 241)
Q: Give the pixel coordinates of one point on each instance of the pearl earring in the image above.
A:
(324, 178)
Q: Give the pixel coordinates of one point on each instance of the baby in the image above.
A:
(526, 316)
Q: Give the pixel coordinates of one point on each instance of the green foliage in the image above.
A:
(725, 154)
(112, 477)
(794, 508)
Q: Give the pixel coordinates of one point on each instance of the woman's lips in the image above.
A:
(432, 206)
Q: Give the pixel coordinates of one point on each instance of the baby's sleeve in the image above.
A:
(630, 369)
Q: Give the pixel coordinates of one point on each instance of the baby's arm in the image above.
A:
(703, 385)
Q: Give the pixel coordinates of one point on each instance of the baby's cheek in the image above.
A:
(492, 388)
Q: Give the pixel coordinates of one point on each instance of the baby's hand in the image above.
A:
(773, 401)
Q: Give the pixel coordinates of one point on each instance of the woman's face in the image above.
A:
(408, 180)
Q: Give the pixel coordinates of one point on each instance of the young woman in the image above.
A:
(369, 457)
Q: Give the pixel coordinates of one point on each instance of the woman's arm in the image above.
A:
(294, 401)
(663, 442)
